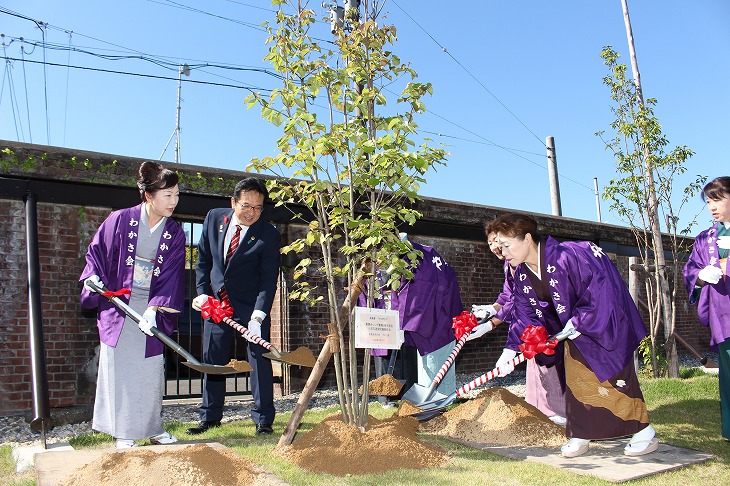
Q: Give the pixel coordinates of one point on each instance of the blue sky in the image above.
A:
(512, 74)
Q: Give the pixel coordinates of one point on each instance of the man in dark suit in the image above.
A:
(238, 261)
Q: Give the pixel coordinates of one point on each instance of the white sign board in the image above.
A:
(377, 329)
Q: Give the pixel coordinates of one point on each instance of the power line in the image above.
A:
(469, 73)
(151, 76)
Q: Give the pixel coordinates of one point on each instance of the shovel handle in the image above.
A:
(489, 375)
(248, 335)
(450, 360)
(134, 315)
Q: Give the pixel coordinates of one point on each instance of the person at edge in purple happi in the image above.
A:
(545, 385)
(705, 276)
(574, 286)
(141, 249)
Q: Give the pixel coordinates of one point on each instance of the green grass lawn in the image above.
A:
(685, 412)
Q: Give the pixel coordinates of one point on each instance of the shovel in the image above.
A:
(300, 357)
(389, 371)
(214, 309)
(190, 362)
(419, 393)
(434, 407)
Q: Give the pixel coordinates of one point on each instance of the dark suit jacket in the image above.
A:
(251, 276)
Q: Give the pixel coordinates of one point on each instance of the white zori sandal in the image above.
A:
(575, 447)
(643, 442)
(125, 443)
(163, 439)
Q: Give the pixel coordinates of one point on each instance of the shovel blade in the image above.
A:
(418, 394)
(426, 416)
(215, 369)
(299, 357)
(437, 404)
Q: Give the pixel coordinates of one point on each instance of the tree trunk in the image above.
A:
(660, 262)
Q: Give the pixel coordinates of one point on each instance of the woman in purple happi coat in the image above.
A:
(544, 384)
(141, 249)
(705, 276)
(574, 286)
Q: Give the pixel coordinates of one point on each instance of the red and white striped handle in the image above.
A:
(477, 382)
(247, 334)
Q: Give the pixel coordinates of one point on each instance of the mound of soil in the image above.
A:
(497, 417)
(334, 447)
(385, 385)
(196, 465)
(301, 356)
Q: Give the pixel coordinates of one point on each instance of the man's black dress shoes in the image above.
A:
(203, 426)
(264, 429)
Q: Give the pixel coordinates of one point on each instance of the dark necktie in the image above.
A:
(231, 250)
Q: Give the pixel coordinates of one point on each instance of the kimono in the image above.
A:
(713, 306)
(578, 281)
(126, 253)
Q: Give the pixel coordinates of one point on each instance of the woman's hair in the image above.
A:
(516, 225)
(151, 177)
(717, 189)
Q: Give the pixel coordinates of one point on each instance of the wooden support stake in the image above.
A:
(331, 344)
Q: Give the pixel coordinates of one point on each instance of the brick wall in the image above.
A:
(69, 181)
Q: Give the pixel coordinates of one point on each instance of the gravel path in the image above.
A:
(15, 431)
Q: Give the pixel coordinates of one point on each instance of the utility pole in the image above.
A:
(182, 69)
(553, 177)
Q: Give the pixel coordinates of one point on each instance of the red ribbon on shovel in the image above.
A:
(463, 324)
(116, 293)
(216, 310)
(535, 341)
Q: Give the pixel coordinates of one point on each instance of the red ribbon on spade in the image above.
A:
(216, 310)
(116, 293)
(535, 341)
(463, 324)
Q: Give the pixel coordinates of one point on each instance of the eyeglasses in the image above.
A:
(248, 207)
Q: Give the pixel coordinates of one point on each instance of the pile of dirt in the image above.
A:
(385, 385)
(407, 408)
(497, 417)
(301, 356)
(334, 447)
(196, 465)
(239, 365)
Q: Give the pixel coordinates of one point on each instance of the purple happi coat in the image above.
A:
(111, 256)
(713, 301)
(426, 303)
(586, 286)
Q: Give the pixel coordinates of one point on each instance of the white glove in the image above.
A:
(504, 363)
(198, 301)
(570, 330)
(148, 321)
(723, 242)
(254, 327)
(483, 312)
(480, 330)
(710, 274)
(94, 279)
